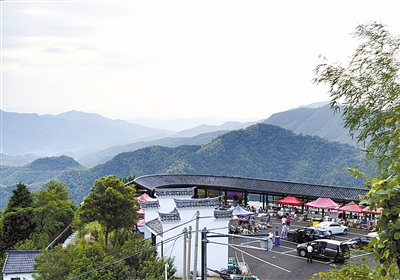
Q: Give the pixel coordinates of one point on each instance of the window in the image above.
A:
(331, 246)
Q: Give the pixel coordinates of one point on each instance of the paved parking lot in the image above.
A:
(283, 262)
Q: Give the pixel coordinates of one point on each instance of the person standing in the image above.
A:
(309, 252)
(268, 219)
(277, 238)
(288, 220)
(284, 231)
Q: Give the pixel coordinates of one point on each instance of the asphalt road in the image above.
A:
(283, 262)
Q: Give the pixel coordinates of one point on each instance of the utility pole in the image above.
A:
(196, 246)
(204, 254)
(189, 251)
(184, 254)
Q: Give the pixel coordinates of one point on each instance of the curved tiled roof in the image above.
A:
(251, 185)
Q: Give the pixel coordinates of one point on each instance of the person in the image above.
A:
(284, 231)
(288, 220)
(309, 252)
(268, 219)
(277, 237)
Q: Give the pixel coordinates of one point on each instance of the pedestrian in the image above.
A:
(283, 220)
(309, 252)
(268, 219)
(284, 231)
(277, 237)
(288, 220)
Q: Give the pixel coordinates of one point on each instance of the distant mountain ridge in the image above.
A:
(92, 139)
(319, 121)
(72, 133)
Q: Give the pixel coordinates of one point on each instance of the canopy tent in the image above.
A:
(146, 197)
(367, 210)
(351, 207)
(324, 203)
(290, 200)
(240, 212)
(141, 212)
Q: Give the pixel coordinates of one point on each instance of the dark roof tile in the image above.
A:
(20, 261)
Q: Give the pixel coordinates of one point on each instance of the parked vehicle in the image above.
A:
(332, 227)
(360, 242)
(307, 234)
(333, 250)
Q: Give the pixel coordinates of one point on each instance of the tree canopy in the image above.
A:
(369, 89)
(16, 223)
(112, 204)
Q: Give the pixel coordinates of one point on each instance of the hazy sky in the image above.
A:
(175, 59)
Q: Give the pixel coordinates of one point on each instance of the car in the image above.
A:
(306, 234)
(332, 227)
(360, 242)
(334, 250)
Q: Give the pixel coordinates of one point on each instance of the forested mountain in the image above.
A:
(259, 151)
(107, 154)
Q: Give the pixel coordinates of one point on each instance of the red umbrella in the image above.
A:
(351, 207)
(324, 203)
(290, 200)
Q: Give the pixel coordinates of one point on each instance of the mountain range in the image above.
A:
(92, 139)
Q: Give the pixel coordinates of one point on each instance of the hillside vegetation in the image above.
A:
(259, 151)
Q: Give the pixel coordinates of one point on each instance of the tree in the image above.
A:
(369, 90)
(112, 204)
(135, 258)
(53, 212)
(16, 224)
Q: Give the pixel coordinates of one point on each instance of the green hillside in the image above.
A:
(259, 151)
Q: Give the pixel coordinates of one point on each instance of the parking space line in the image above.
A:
(257, 258)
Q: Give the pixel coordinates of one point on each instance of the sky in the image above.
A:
(226, 60)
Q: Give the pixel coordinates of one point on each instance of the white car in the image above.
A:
(332, 227)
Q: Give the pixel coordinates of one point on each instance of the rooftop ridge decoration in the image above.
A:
(170, 217)
(155, 225)
(149, 204)
(196, 203)
(223, 214)
(175, 192)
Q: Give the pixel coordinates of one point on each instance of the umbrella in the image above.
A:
(324, 203)
(351, 207)
(290, 200)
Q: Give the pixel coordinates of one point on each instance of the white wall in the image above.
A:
(22, 276)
